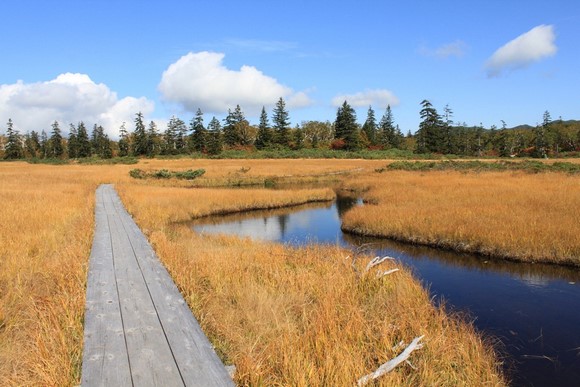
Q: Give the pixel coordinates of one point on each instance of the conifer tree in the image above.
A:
(73, 144)
(124, 144)
(281, 123)
(387, 129)
(346, 128)
(181, 139)
(32, 145)
(231, 129)
(214, 142)
(169, 146)
(139, 146)
(153, 143)
(449, 146)
(44, 145)
(56, 147)
(429, 135)
(298, 137)
(13, 147)
(369, 128)
(83, 143)
(264, 137)
(100, 143)
(198, 133)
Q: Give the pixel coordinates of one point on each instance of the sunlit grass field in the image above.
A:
(516, 215)
(283, 316)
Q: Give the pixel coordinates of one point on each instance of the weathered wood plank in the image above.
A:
(193, 352)
(105, 359)
(150, 356)
(145, 334)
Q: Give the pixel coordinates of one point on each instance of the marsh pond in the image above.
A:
(531, 311)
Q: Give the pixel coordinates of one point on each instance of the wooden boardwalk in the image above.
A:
(138, 329)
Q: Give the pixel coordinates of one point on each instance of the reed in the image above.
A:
(514, 215)
(287, 316)
(283, 316)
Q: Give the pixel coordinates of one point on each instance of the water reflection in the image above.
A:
(533, 309)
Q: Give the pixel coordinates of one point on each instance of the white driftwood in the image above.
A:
(386, 272)
(377, 261)
(391, 364)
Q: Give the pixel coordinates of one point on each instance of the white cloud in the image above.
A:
(532, 46)
(378, 97)
(200, 80)
(69, 98)
(456, 49)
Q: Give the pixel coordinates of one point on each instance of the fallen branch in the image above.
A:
(391, 364)
(386, 272)
(377, 261)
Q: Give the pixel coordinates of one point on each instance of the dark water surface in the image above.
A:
(533, 309)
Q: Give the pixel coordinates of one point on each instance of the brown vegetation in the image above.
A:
(520, 216)
(282, 315)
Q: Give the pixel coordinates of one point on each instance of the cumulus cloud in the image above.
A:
(69, 98)
(379, 97)
(200, 80)
(532, 46)
(456, 49)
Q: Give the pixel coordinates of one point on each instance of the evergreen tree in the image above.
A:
(32, 145)
(198, 133)
(124, 144)
(429, 135)
(100, 143)
(181, 139)
(44, 145)
(56, 147)
(369, 128)
(346, 128)
(298, 137)
(231, 129)
(140, 141)
(449, 146)
(153, 142)
(214, 142)
(387, 127)
(13, 147)
(73, 144)
(281, 123)
(169, 146)
(504, 148)
(264, 137)
(83, 143)
(479, 140)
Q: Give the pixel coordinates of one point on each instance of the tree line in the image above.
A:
(437, 134)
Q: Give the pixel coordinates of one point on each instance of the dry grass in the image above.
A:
(283, 316)
(527, 217)
(302, 317)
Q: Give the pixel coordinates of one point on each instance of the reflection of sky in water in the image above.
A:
(513, 301)
(315, 225)
(262, 229)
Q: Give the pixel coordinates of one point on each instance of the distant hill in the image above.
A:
(565, 123)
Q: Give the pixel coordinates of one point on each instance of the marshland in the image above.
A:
(283, 314)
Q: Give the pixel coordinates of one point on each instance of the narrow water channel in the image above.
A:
(533, 309)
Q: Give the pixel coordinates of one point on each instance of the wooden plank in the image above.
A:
(150, 356)
(138, 329)
(193, 352)
(105, 359)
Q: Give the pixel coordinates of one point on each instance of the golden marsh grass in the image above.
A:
(520, 216)
(284, 316)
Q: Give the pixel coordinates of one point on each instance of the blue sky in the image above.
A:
(102, 61)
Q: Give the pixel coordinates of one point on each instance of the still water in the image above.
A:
(533, 309)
